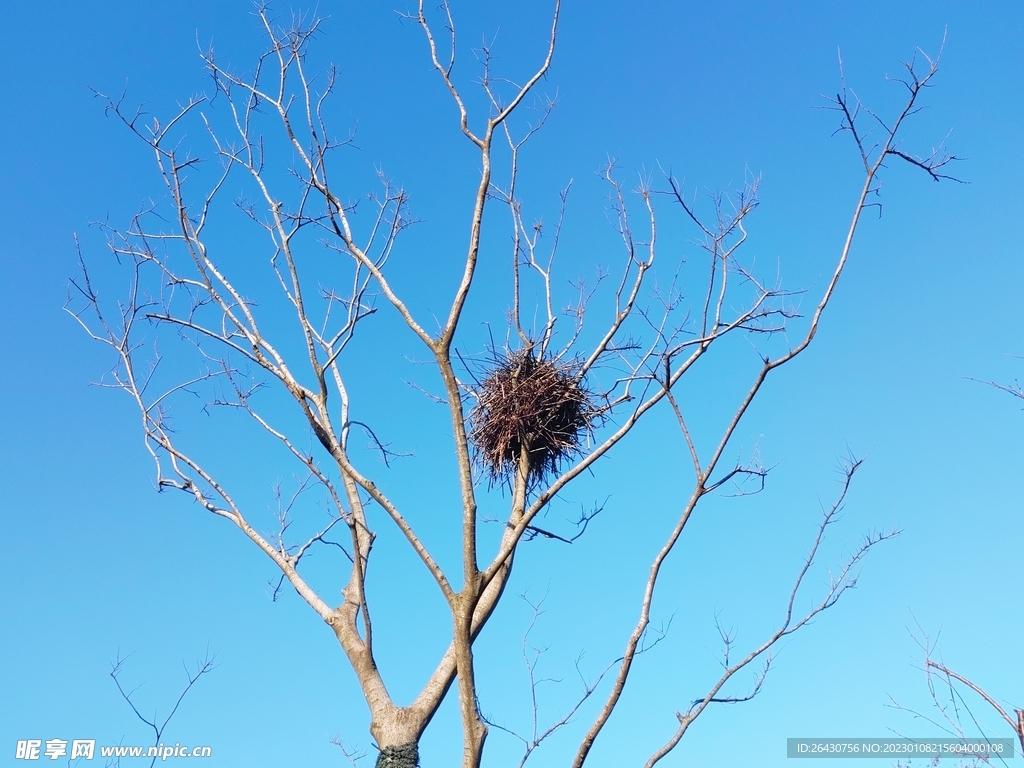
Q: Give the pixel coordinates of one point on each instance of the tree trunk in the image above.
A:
(404, 756)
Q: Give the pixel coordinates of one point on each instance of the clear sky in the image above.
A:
(99, 564)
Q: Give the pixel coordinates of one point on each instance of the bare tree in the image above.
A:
(202, 667)
(949, 677)
(953, 712)
(536, 412)
(1014, 389)
(945, 683)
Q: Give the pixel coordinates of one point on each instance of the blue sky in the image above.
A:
(99, 563)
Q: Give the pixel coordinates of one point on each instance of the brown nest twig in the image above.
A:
(532, 405)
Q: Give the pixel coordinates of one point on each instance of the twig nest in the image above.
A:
(531, 404)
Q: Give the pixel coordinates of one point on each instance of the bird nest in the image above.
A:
(531, 405)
